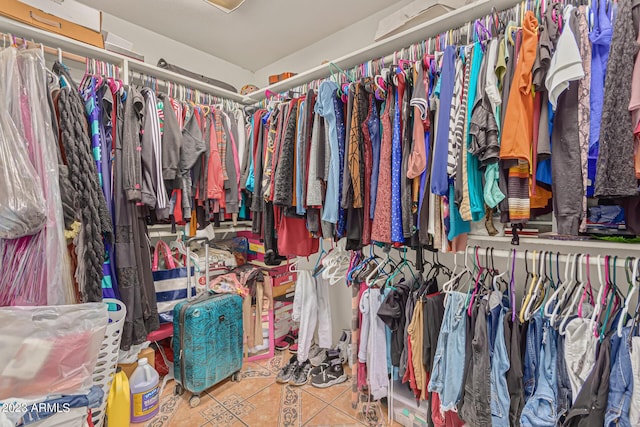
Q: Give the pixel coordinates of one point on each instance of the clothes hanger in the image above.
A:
(588, 290)
(611, 298)
(560, 295)
(319, 267)
(531, 279)
(567, 314)
(497, 276)
(512, 284)
(404, 264)
(479, 278)
(539, 291)
(372, 277)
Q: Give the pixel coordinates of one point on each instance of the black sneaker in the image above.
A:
(332, 375)
(287, 371)
(301, 375)
(331, 354)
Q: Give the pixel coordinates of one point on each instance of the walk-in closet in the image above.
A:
(418, 213)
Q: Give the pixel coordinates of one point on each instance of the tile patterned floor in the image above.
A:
(258, 401)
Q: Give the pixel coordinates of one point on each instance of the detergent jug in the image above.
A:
(119, 401)
(145, 392)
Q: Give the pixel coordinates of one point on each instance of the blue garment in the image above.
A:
(251, 176)
(600, 37)
(373, 124)
(324, 107)
(543, 171)
(457, 225)
(540, 409)
(423, 175)
(446, 373)
(500, 399)
(397, 234)
(300, 160)
(620, 382)
(531, 361)
(439, 177)
(338, 105)
(474, 174)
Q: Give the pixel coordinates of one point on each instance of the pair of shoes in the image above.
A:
(287, 341)
(330, 372)
(344, 346)
(294, 372)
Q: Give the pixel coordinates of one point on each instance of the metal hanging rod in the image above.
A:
(9, 40)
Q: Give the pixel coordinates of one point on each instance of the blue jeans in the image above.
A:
(448, 362)
(500, 399)
(620, 382)
(540, 409)
(531, 357)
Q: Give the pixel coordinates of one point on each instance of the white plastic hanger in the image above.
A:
(597, 306)
(634, 289)
(557, 297)
(562, 329)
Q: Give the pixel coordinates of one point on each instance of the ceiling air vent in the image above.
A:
(227, 6)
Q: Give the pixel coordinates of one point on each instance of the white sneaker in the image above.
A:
(344, 346)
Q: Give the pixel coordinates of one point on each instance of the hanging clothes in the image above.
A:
(615, 173)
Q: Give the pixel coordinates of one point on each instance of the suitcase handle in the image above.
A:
(206, 265)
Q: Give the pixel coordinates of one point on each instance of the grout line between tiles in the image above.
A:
(225, 408)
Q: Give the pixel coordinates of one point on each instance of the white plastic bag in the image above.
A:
(49, 350)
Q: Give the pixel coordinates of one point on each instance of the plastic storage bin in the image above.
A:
(404, 409)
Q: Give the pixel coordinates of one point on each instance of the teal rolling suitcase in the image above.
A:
(207, 342)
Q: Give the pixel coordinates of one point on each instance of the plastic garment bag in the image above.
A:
(35, 263)
(22, 204)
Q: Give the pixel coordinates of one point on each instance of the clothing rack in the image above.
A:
(73, 50)
(10, 39)
(182, 92)
(485, 252)
(453, 19)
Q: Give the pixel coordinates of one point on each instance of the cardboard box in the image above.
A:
(147, 353)
(35, 17)
(285, 292)
(282, 307)
(70, 10)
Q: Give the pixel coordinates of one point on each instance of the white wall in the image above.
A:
(353, 37)
(155, 46)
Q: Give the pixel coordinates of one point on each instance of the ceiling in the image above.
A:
(257, 34)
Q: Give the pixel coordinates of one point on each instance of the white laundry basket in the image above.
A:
(108, 356)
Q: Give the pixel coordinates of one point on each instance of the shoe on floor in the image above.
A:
(293, 348)
(330, 355)
(286, 341)
(317, 355)
(344, 346)
(301, 374)
(287, 371)
(331, 375)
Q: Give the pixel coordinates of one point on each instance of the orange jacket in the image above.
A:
(517, 131)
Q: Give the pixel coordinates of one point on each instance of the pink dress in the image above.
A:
(381, 228)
